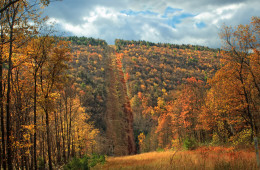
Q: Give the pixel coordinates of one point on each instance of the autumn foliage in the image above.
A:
(63, 97)
(43, 121)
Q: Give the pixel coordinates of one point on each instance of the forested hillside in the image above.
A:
(152, 77)
(104, 94)
(65, 99)
(175, 94)
(158, 77)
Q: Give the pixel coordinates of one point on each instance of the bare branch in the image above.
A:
(8, 5)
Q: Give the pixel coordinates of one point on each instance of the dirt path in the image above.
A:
(119, 116)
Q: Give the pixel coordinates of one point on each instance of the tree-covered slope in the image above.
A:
(132, 78)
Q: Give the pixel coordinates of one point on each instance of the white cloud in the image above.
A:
(103, 19)
(229, 8)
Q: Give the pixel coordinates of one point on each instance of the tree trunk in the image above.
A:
(8, 104)
(34, 121)
(66, 123)
(11, 18)
(43, 147)
(48, 136)
(57, 137)
(3, 157)
(69, 130)
(62, 133)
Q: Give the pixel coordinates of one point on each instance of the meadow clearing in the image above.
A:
(217, 158)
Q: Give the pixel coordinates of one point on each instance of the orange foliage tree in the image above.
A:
(238, 80)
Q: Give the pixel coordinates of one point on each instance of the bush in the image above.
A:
(85, 163)
(189, 144)
(95, 159)
(241, 138)
(40, 163)
(159, 150)
(77, 164)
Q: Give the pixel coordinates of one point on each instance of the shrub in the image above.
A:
(175, 143)
(85, 163)
(241, 138)
(95, 159)
(77, 164)
(159, 150)
(189, 144)
(40, 163)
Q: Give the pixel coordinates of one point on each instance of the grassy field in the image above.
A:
(217, 158)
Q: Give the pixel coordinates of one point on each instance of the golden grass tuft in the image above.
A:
(217, 158)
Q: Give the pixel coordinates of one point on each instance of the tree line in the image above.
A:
(120, 42)
(84, 41)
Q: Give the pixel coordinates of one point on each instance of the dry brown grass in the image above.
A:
(217, 158)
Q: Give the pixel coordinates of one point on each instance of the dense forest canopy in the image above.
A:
(84, 41)
(65, 97)
(120, 42)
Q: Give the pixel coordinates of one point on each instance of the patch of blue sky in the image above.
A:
(135, 13)
(178, 18)
(201, 25)
(170, 10)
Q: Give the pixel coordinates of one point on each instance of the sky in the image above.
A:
(196, 22)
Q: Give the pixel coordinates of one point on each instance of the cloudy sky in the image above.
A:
(166, 21)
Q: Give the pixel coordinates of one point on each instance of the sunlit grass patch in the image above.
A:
(203, 158)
